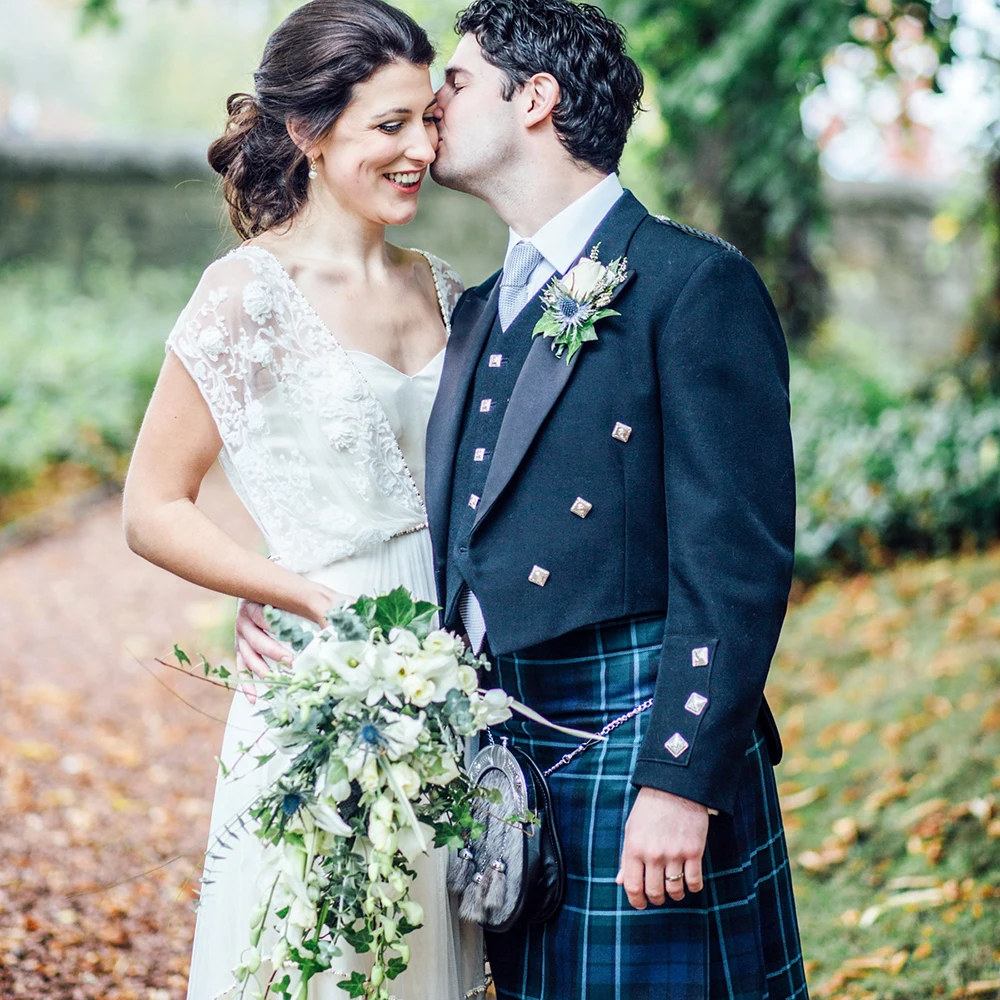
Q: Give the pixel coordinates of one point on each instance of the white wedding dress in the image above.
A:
(325, 447)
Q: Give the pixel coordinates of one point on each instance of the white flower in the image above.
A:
(380, 834)
(383, 809)
(440, 641)
(491, 708)
(468, 680)
(449, 774)
(257, 302)
(407, 780)
(413, 911)
(369, 778)
(402, 732)
(403, 641)
(409, 843)
(418, 690)
(212, 341)
(327, 818)
(442, 669)
(582, 281)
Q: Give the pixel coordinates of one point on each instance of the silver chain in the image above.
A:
(607, 730)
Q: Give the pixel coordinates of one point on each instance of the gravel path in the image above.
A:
(104, 774)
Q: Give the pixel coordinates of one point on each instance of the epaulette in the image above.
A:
(691, 231)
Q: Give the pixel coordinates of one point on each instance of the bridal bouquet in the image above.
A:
(371, 718)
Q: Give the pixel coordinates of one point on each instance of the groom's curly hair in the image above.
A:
(600, 84)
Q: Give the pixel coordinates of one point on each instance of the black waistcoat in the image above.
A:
(493, 382)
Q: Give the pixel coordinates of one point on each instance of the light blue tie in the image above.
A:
(523, 258)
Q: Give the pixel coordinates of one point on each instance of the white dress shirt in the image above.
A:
(561, 242)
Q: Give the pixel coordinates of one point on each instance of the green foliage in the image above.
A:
(81, 354)
(878, 474)
(728, 77)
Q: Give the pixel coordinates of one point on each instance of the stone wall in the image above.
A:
(895, 286)
(164, 203)
(903, 273)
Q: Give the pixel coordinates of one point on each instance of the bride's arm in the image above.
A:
(177, 445)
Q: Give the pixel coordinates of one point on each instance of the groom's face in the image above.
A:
(479, 130)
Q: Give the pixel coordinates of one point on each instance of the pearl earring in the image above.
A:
(312, 170)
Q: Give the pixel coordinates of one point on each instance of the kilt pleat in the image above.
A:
(737, 939)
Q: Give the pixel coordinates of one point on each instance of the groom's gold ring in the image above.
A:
(675, 878)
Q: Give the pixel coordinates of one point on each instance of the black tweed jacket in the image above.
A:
(673, 428)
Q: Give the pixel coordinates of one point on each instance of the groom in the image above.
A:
(616, 526)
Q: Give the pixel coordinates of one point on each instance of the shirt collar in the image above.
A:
(561, 238)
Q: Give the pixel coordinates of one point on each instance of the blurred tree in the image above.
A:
(729, 77)
(100, 12)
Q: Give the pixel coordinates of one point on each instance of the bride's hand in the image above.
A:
(254, 642)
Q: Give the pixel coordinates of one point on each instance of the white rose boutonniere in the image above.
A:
(575, 303)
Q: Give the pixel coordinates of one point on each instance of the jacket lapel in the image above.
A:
(472, 323)
(544, 376)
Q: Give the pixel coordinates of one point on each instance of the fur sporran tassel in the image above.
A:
(461, 868)
(495, 888)
(472, 910)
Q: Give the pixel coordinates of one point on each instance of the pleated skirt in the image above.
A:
(737, 939)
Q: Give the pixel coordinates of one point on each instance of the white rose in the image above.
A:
(583, 279)
(440, 641)
(468, 679)
(257, 302)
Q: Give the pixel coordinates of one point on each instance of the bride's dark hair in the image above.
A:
(311, 65)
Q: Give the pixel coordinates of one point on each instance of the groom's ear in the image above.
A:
(540, 96)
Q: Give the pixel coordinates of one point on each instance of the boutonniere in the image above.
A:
(574, 303)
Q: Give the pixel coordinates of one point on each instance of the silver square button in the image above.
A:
(480, 455)
(496, 360)
(699, 657)
(676, 745)
(581, 507)
(622, 432)
(485, 406)
(473, 501)
(696, 703)
(538, 576)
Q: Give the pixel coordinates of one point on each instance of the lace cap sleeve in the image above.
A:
(449, 283)
(219, 333)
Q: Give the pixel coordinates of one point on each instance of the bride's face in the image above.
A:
(374, 160)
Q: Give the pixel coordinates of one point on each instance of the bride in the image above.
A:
(307, 362)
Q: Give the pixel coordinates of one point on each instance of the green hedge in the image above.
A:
(81, 354)
(878, 474)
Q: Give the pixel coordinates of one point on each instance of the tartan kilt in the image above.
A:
(737, 939)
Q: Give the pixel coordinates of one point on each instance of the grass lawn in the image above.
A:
(887, 692)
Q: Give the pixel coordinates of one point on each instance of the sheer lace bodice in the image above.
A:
(307, 444)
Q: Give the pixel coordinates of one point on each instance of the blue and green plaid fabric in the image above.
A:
(737, 939)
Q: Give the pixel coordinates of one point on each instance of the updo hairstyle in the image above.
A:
(311, 65)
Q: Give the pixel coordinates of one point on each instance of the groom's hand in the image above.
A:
(253, 643)
(664, 837)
